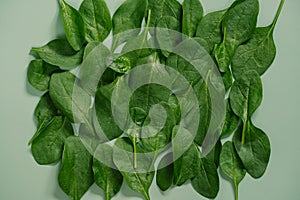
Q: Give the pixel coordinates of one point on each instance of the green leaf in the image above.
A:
(89, 48)
(246, 95)
(165, 170)
(139, 177)
(38, 74)
(47, 147)
(254, 151)
(105, 174)
(167, 33)
(232, 165)
(238, 25)
(230, 123)
(209, 28)
(127, 20)
(76, 175)
(69, 97)
(259, 52)
(73, 24)
(187, 166)
(192, 15)
(206, 183)
(43, 113)
(97, 20)
(161, 8)
(214, 154)
(59, 53)
(104, 113)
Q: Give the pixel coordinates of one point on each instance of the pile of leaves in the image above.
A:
(241, 51)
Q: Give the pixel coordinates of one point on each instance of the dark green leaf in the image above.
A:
(214, 154)
(192, 14)
(165, 170)
(253, 149)
(231, 122)
(73, 24)
(59, 53)
(206, 182)
(69, 97)
(127, 20)
(104, 112)
(167, 33)
(231, 165)
(97, 20)
(160, 8)
(139, 177)
(246, 95)
(209, 28)
(259, 52)
(105, 174)
(47, 147)
(238, 25)
(38, 74)
(76, 175)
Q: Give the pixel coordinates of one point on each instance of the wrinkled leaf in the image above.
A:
(192, 14)
(164, 175)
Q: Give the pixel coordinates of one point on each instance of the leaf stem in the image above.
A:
(244, 131)
(277, 14)
(134, 151)
(236, 189)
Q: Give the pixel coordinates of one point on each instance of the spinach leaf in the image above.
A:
(192, 14)
(59, 53)
(104, 112)
(214, 154)
(97, 20)
(209, 28)
(164, 175)
(160, 8)
(127, 19)
(69, 97)
(76, 175)
(47, 147)
(38, 74)
(105, 174)
(73, 24)
(253, 147)
(238, 25)
(167, 33)
(206, 183)
(139, 175)
(246, 95)
(231, 121)
(259, 52)
(43, 113)
(94, 67)
(232, 165)
(187, 166)
(89, 48)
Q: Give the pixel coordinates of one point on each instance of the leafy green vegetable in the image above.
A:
(164, 176)
(63, 90)
(188, 66)
(73, 24)
(259, 52)
(58, 52)
(206, 182)
(209, 28)
(47, 147)
(160, 8)
(106, 177)
(76, 174)
(39, 73)
(253, 147)
(97, 20)
(238, 25)
(232, 166)
(139, 177)
(127, 19)
(192, 14)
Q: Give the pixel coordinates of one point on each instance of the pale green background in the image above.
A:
(24, 24)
